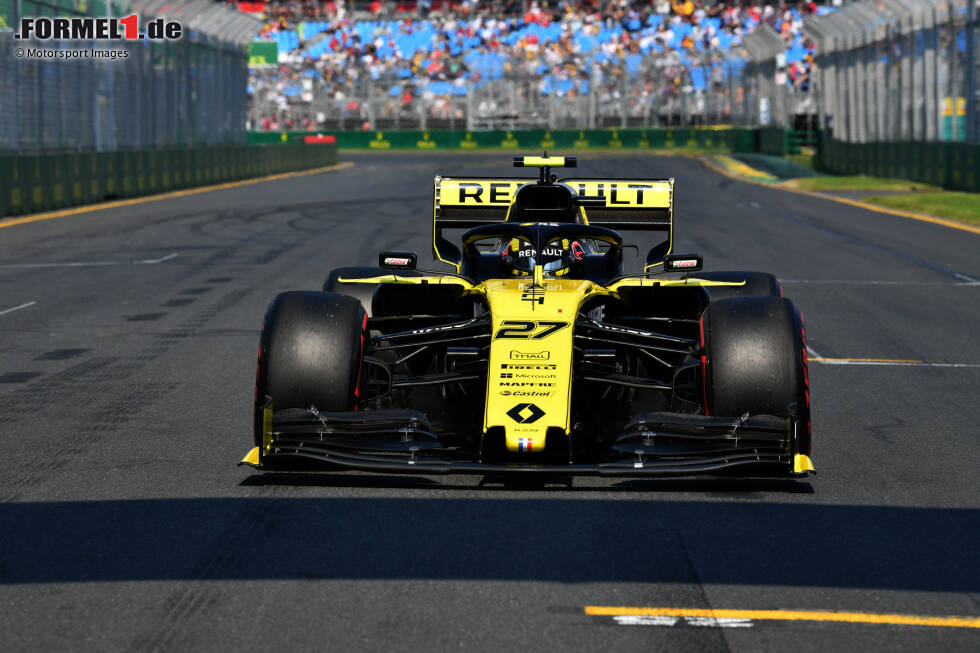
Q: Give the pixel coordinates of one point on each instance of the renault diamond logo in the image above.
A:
(525, 413)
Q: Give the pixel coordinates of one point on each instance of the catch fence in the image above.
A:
(897, 70)
(150, 94)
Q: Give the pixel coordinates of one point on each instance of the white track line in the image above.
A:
(17, 308)
(711, 622)
(87, 264)
(967, 281)
(154, 261)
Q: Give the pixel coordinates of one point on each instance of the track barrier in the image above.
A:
(953, 166)
(30, 183)
(728, 139)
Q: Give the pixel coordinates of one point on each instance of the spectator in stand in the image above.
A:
(337, 59)
(683, 8)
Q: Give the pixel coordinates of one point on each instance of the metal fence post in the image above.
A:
(971, 79)
(593, 93)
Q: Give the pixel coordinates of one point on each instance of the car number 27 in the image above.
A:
(528, 329)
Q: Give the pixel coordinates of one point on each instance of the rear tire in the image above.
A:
(755, 360)
(309, 354)
(757, 284)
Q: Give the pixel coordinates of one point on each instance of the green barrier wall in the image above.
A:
(774, 140)
(42, 182)
(949, 165)
(563, 141)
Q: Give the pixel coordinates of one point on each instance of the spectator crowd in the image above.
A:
(644, 50)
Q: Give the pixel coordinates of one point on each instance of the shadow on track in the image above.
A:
(553, 538)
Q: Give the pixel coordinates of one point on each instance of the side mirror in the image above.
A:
(398, 260)
(683, 263)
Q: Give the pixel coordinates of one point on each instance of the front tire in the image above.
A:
(755, 361)
(310, 353)
(757, 284)
(362, 292)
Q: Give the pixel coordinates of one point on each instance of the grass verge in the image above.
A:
(808, 160)
(855, 182)
(963, 207)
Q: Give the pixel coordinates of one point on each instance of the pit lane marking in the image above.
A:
(17, 308)
(744, 618)
(85, 264)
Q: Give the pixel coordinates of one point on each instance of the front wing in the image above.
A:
(402, 441)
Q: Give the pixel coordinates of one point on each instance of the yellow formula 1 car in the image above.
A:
(538, 354)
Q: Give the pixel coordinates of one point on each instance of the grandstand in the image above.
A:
(483, 66)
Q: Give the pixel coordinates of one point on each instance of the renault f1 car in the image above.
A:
(538, 353)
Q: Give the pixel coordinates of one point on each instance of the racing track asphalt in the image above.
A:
(126, 374)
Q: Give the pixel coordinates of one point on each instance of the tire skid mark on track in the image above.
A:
(35, 397)
(104, 422)
(201, 593)
(18, 377)
(272, 254)
(711, 641)
(884, 249)
(890, 335)
(114, 372)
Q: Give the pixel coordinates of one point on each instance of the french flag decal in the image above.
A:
(525, 444)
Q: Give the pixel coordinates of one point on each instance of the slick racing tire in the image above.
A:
(755, 361)
(757, 284)
(310, 353)
(362, 292)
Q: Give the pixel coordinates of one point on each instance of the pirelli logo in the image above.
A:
(513, 366)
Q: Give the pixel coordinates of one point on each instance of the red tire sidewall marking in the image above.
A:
(704, 366)
(806, 388)
(360, 364)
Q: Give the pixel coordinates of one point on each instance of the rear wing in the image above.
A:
(619, 204)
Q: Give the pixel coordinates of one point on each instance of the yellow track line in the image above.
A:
(821, 359)
(888, 361)
(88, 208)
(842, 200)
(790, 615)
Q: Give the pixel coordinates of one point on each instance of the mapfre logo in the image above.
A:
(529, 356)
